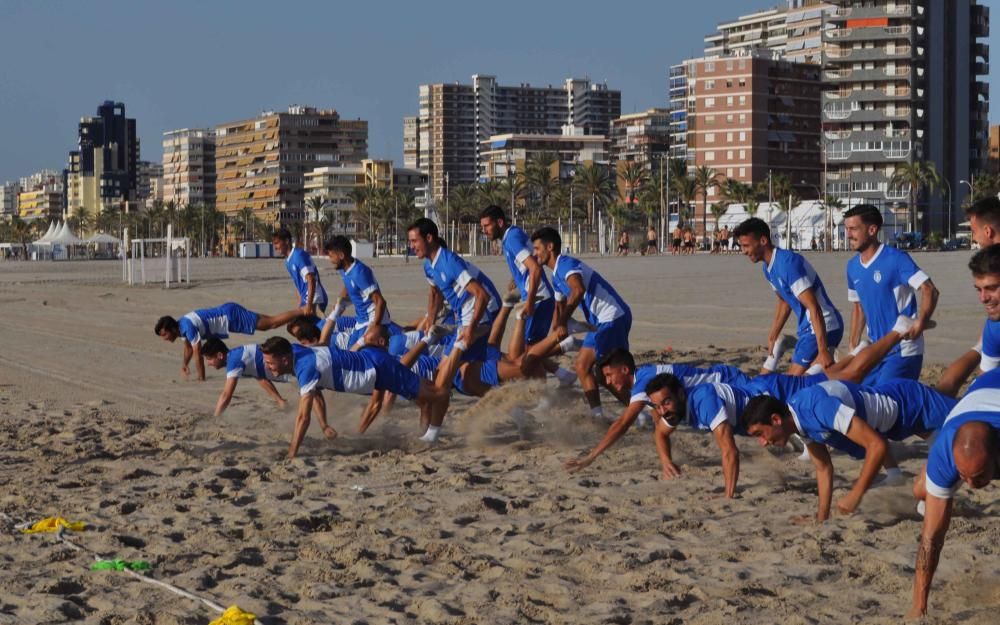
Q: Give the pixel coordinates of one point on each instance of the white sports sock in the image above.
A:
(921, 507)
(863, 343)
(597, 412)
(569, 344)
(432, 433)
(771, 363)
(460, 345)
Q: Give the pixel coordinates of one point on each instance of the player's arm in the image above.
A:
(199, 362)
(434, 302)
(958, 372)
(535, 273)
(661, 437)
(876, 449)
(616, 431)
(808, 299)
(186, 356)
(301, 421)
(269, 388)
(376, 321)
(558, 312)
(929, 295)
(310, 293)
(937, 517)
(730, 457)
(226, 396)
(328, 329)
(781, 312)
(824, 478)
(319, 409)
(482, 299)
(857, 324)
(371, 411)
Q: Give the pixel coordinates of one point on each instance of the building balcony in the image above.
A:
(856, 115)
(870, 54)
(981, 69)
(874, 33)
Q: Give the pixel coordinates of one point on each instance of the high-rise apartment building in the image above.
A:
(189, 166)
(641, 137)
(754, 116)
(445, 139)
(793, 31)
(994, 166)
(506, 155)
(8, 199)
(42, 203)
(905, 82)
(148, 180)
(102, 172)
(261, 163)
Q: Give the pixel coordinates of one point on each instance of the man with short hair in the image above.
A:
(882, 282)
(984, 221)
(967, 449)
(360, 289)
(363, 372)
(218, 322)
(577, 285)
(849, 417)
(985, 267)
(798, 288)
(304, 274)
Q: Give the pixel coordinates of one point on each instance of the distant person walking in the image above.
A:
(623, 243)
(675, 241)
(651, 243)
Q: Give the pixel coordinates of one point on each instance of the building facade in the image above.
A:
(8, 199)
(641, 137)
(752, 117)
(102, 172)
(261, 163)
(445, 140)
(148, 181)
(43, 203)
(505, 155)
(189, 166)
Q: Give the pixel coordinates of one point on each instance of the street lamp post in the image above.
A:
(447, 209)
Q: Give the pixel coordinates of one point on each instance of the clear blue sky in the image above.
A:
(180, 63)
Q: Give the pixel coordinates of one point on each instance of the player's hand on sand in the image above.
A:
(185, 371)
(577, 464)
(329, 433)
(670, 472)
(848, 503)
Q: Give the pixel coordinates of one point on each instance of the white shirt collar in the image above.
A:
(774, 255)
(795, 419)
(873, 258)
(435, 257)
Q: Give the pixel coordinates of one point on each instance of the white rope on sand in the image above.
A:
(61, 535)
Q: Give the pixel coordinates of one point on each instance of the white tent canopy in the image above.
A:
(48, 233)
(63, 236)
(104, 238)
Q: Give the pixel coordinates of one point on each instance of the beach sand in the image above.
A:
(487, 527)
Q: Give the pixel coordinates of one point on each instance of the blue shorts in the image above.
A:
(806, 349)
(479, 350)
(539, 324)
(895, 367)
(241, 320)
(609, 336)
(397, 345)
(488, 375)
(390, 375)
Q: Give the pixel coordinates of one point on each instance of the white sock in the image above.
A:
(863, 343)
(771, 363)
(432, 433)
(460, 345)
(597, 412)
(779, 347)
(568, 344)
(921, 507)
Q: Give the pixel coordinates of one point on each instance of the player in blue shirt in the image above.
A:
(360, 289)
(851, 418)
(967, 449)
(882, 282)
(799, 289)
(370, 371)
(576, 285)
(468, 291)
(218, 322)
(984, 221)
(985, 267)
(304, 274)
(247, 361)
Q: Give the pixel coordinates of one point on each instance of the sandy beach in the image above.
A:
(487, 527)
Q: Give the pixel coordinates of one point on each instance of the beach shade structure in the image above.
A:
(48, 233)
(104, 239)
(65, 236)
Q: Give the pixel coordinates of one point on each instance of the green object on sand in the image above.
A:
(121, 565)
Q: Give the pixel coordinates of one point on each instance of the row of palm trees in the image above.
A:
(377, 212)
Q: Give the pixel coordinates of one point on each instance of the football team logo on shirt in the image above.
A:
(878, 276)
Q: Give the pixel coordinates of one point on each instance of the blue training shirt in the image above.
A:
(981, 403)
(711, 405)
(790, 274)
(516, 249)
(886, 288)
(689, 377)
(991, 346)
(248, 361)
(782, 386)
(451, 273)
(360, 282)
(601, 303)
(896, 409)
(218, 322)
(332, 369)
(300, 265)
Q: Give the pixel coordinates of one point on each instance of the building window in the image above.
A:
(729, 101)
(709, 84)
(743, 99)
(743, 118)
(743, 137)
(709, 102)
(709, 156)
(743, 172)
(710, 137)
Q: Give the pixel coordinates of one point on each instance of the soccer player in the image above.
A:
(576, 285)
(304, 274)
(854, 419)
(985, 267)
(984, 221)
(362, 372)
(967, 449)
(468, 291)
(361, 289)
(798, 289)
(882, 282)
(218, 322)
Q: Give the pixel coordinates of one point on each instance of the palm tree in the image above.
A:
(464, 202)
(20, 231)
(539, 177)
(314, 209)
(593, 179)
(633, 176)
(918, 175)
(359, 195)
(108, 220)
(705, 179)
(511, 189)
(490, 192)
(246, 217)
(685, 191)
(718, 210)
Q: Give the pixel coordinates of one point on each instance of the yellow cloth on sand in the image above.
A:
(53, 523)
(234, 616)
